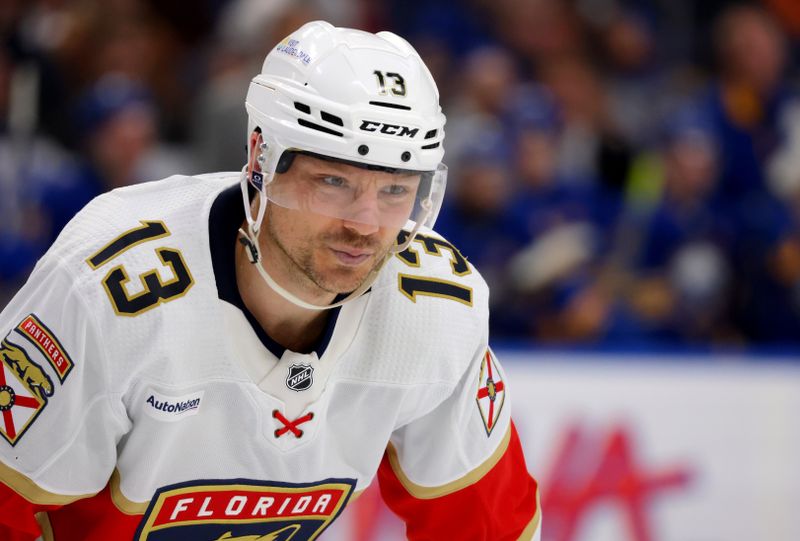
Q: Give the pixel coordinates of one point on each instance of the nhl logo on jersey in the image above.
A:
(301, 377)
(491, 392)
(24, 388)
(228, 509)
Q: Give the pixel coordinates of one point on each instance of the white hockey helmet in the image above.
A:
(346, 95)
(361, 98)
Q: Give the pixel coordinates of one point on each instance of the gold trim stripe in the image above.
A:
(533, 525)
(428, 493)
(32, 492)
(44, 524)
(123, 504)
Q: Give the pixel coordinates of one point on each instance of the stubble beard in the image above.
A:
(341, 279)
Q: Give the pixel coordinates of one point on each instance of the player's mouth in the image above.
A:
(351, 257)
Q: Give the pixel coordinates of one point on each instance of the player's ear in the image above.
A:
(254, 151)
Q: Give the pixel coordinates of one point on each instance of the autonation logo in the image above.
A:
(172, 408)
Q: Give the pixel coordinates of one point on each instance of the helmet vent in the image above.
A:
(333, 119)
(428, 147)
(390, 105)
(431, 134)
(311, 125)
(302, 107)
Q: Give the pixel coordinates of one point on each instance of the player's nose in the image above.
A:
(363, 215)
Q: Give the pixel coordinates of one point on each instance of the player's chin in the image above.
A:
(346, 278)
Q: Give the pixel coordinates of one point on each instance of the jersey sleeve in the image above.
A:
(458, 472)
(59, 425)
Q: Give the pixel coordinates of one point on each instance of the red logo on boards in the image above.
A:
(588, 472)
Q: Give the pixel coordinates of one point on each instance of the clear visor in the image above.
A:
(360, 193)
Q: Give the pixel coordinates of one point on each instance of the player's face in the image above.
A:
(324, 254)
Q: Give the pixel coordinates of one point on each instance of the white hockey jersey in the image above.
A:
(139, 399)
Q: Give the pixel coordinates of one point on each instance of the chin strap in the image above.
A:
(249, 239)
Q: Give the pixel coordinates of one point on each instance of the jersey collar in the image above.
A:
(225, 219)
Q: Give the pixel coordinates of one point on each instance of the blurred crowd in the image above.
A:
(621, 172)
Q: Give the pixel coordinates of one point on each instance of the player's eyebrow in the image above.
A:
(327, 167)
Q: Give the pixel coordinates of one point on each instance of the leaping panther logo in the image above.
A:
(29, 372)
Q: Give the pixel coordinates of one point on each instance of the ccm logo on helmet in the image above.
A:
(389, 129)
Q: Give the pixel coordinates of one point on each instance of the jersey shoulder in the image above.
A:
(431, 266)
(106, 230)
(139, 261)
(427, 315)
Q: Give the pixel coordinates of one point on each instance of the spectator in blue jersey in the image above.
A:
(768, 248)
(116, 121)
(564, 219)
(768, 269)
(684, 252)
(549, 199)
(749, 98)
(750, 108)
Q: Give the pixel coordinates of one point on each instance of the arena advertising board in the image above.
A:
(646, 448)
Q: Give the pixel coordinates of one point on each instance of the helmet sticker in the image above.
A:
(291, 47)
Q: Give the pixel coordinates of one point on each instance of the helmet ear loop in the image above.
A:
(259, 182)
(249, 238)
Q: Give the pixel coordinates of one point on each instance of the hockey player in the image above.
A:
(183, 366)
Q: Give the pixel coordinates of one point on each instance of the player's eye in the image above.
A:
(395, 189)
(333, 181)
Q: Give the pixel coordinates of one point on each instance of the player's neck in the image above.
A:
(293, 327)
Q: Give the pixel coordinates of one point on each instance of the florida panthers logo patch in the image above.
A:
(24, 389)
(301, 377)
(46, 341)
(243, 509)
(491, 392)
